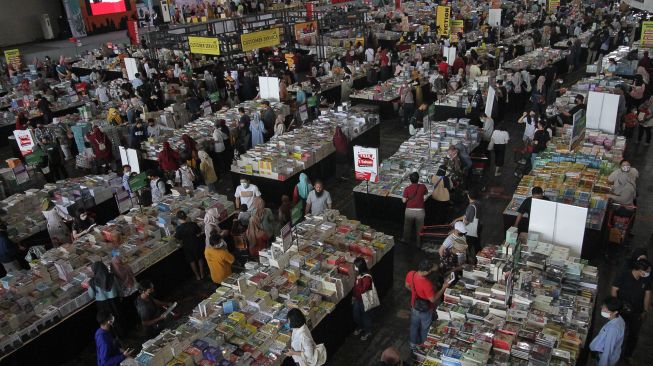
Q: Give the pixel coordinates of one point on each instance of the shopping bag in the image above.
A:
(370, 298)
(440, 192)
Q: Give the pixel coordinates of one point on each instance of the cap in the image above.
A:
(460, 227)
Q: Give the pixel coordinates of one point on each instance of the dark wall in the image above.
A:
(20, 20)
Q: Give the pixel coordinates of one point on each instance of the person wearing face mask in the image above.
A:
(363, 284)
(153, 130)
(609, 340)
(218, 257)
(318, 200)
(150, 309)
(108, 350)
(530, 122)
(634, 289)
(245, 193)
(82, 223)
(625, 175)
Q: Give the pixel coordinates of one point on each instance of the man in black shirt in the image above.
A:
(525, 207)
(579, 103)
(189, 234)
(44, 106)
(634, 289)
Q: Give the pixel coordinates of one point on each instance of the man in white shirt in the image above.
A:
(369, 54)
(245, 194)
(318, 200)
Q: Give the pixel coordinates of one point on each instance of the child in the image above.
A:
(630, 122)
(185, 176)
(243, 215)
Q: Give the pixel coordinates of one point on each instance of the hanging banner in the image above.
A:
(443, 20)
(25, 141)
(309, 10)
(366, 163)
(306, 33)
(646, 39)
(75, 18)
(13, 57)
(260, 39)
(132, 31)
(553, 6)
(204, 45)
(457, 26)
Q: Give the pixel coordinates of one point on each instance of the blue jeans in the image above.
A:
(533, 157)
(420, 322)
(362, 318)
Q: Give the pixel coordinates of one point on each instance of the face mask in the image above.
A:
(244, 185)
(625, 168)
(606, 314)
(646, 274)
(82, 217)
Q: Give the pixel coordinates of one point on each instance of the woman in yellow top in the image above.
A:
(218, 258)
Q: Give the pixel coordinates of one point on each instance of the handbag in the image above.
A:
(421, 305)
(472, 227)
(319, 356)
(440, 192)
(370, 297)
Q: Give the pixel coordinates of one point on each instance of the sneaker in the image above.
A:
(365, 336)
(357, 332)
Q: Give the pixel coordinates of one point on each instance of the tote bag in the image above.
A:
(440, 192)
(472, 227)
(370, 297)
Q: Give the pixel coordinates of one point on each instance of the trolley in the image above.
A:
(620, 222)
(432, 236)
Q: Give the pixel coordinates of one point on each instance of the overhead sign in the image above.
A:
(366, 163)
(13, 57)
(443, 20)
(25, 141)
(646, 39)
(457, 26)
(204, 45)
(306, 33)
(553, 6)
(260, 39)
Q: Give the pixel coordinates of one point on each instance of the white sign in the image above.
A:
(132, 68)
(25, 141)
(602, 111)
(489, 103)
(559, 223)
(130, 157)
(366, 163)
(269, 88)
(494, 18)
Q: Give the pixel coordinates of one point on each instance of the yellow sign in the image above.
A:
(553, 5)
(646, 39)
(457, 26)
(204, 45)
(306, 33)
(360, 40)
(260, 39)
(13, 57)
(443, 20)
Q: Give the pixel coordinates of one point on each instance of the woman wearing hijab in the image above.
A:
(104, 288)
(257, 129)
(168, 159)
(302, 189)
(260, 228)
(211, 223)
(101, 145)
(341, 144)
(56, 223)
(208, 171)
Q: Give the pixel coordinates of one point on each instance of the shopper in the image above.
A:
(158, 188)
(284, 214)
(407, 101)
(454, 245)
(525, 207)
(153, 130)
(341, 144)
(439, 204)
(279, 126)
(624, 183)
(9, 251)
(364, 282)
(318, 200)
(44, 107)
(472, 221)
(246, 192)
(243, 136)
(82, 223)
(102, 148)
(138, 134)
(488, 129)
(209, 177)
(185, 176)
(108, 350)
(609, 341)
(105, 290)
(150, 310)
(422, 301)
(168, 160)
(390, 357)
(498, 142)
(212, 221)
(56, 220)
(257, 130)
(218, 257)
(414, 196)
(55, 160)
(540, 140)
(189, 234)
(634, 289)
(220, 138)
(529, 119)
(304, 350)
(268, 117)
(123, 275)
(302, 189)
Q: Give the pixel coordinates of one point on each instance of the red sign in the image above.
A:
(132, 30)
(366, 163)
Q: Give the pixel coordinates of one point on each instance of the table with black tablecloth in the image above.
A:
(273, 189)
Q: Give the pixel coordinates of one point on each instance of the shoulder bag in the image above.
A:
(370, 297)
(472, 227)
(440, 192)
(421, 305)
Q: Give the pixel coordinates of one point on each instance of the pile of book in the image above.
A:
(539, 313)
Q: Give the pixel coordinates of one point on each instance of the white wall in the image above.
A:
(19, 20)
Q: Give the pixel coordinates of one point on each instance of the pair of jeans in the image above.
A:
(420, 322)
(413, 218)
(409, 111)
(362, 318)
